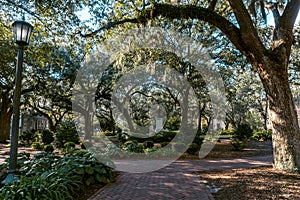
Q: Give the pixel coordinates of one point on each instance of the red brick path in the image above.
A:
(176, 181)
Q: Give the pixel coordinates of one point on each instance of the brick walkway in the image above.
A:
(176, 181)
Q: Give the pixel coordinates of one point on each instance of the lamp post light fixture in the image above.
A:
(22, 31)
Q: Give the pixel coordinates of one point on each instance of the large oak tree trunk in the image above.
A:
(283, 115)
(4, 126)
(5, 117)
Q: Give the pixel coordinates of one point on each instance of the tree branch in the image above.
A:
(283, 33)
(203, 14)
(212, 5)
(288, 18)
(249, 33)
(108, 26)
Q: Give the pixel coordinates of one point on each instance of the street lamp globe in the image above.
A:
(22, 31)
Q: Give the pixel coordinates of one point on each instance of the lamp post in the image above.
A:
(22, 31)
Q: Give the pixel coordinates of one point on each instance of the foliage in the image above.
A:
(262, 135)
(46, 136)
(237, 144)
(37, 145)
(133, 146)
(28, 137)
(108, 133)
(148, 144)
(66, 132)
(164, 136)
(227, 132)
(243, 132)
(240, 136)
(49, 176)
(173, 123)
(193, 149)
(48, 148)
(69, 145)
(243, 22)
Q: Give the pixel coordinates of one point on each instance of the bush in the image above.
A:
(47, 137)
(262, 135)
(109, 133)
(243, 132)
(133, 146)
(148, 144)
(227, 132)
(49, 176)
(69, 145)
(28, 137)
(37, 145)
(48, 148)
(238, 145)
(164, 136)
(240, 136)
(66, 132)
(193, 149)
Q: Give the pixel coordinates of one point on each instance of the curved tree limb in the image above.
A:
(248, 31)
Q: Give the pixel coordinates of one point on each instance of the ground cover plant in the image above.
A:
(49, 176)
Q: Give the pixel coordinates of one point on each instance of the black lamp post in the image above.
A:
(22, 31)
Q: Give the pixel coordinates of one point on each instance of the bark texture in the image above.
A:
(5, 117)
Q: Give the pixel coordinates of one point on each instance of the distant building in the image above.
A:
(33, 122)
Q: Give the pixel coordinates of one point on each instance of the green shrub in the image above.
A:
(240, 136)
(243, 132)
(164, 136)
(193, 149)
(69, 145)
(37, 145)
(48, 176)
(122, 136)
(66, 132)
(130, 142)
(47, 137)
(227, 132)
(28, 137)
(262, 135)
(173, 123)
(133, 146)
(148, 144)
(48, 148)
(109, 133)
(237, 144)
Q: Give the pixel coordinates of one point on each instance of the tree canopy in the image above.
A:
(243, 23)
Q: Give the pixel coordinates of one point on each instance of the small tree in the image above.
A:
(66, 132)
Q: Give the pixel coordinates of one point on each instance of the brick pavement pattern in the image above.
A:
(176, 181)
